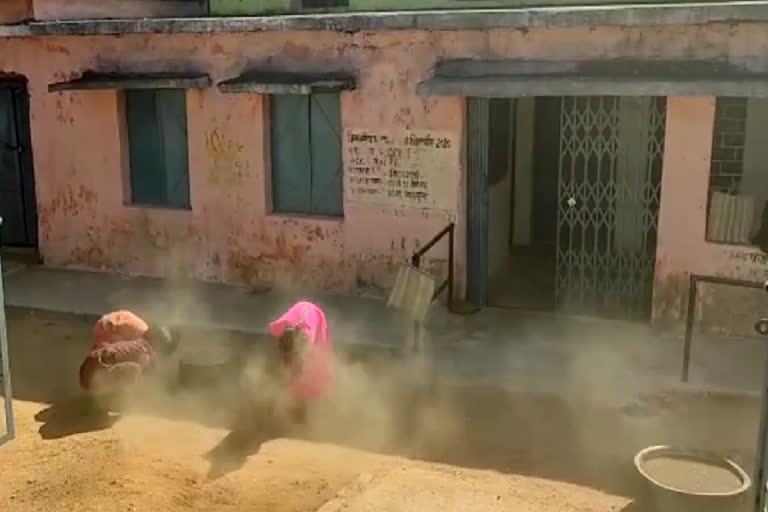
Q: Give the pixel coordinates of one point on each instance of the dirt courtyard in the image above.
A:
(389, 447)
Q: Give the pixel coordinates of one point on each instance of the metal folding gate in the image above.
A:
(609, 189)
(5, 369)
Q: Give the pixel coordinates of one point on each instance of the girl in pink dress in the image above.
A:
(306, 353)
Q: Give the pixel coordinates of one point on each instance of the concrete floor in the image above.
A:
(521, 351)
(527, 280)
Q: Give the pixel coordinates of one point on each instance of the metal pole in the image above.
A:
(10, 431)
(450, 268)
(689, 314)
(762, 446)
(761, 486)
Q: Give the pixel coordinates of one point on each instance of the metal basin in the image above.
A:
(709, 494)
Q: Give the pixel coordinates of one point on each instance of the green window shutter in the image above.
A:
(11, 204)
(172, 119)
(158, 148)
(291, 158)
(145, 149)
(325, 129)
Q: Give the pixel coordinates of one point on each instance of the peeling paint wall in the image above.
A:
(229, 234)
(13, 11)
(100, 9)
(682, 247)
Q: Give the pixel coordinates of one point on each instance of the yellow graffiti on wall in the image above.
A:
(226, 167)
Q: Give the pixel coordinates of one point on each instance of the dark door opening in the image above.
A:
(562, 203)
(18, 206)
(523, 210)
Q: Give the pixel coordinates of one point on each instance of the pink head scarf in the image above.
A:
(316, 378)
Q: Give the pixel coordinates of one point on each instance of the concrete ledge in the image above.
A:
(282, 82)
(465, 19)
(619, 77)
(94, 81)
(500, 87)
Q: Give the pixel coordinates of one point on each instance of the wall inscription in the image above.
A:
(758, 258)
(408, 169)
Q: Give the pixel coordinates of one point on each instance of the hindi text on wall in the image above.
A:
(412, 168)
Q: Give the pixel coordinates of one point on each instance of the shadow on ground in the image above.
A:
(70, 416)
(569, 438)
(233, 451)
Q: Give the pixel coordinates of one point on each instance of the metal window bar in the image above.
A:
(448, 282)
(5, 376)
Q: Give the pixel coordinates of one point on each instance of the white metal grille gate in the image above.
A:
(5, 369)
(609, 189)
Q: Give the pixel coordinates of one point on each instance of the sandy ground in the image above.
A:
(386, 447)
(145, 463)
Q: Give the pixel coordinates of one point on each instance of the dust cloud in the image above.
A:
(383, 401)
(561, 420)
(587, 406)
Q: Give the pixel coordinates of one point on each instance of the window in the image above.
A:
(738, 180)
(157, 145)
(306, 154)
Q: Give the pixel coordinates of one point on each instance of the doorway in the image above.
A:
(522, 205)
(565, 203)
(18, 206)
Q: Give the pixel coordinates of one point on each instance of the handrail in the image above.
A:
(693, 287)
(448, 283)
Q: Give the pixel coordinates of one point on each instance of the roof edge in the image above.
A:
(464, 19)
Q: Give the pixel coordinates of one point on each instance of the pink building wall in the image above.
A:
(229, 235)
(682, 247)
(13, 11)
(99, 9)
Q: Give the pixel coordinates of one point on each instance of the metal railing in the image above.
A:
(693, 289)
(760, 327)
(448, 282)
